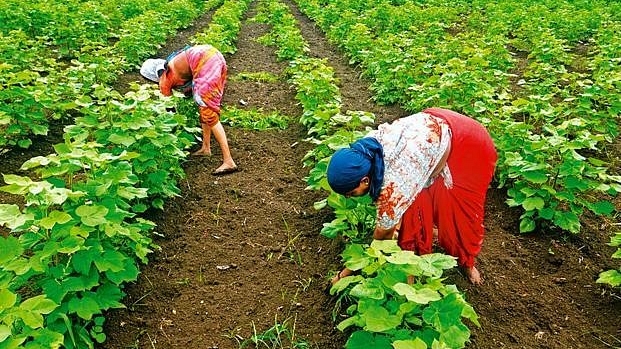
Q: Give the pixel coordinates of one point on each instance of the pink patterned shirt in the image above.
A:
(413, 147)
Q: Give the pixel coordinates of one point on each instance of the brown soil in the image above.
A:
(243, 251)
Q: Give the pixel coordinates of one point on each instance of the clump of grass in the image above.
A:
(256, 76)
(254, 119)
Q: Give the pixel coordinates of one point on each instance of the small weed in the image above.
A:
(216, 215)
(279, 336)
(184, 281)
(290, 248)
(232, 334)
(304, 284)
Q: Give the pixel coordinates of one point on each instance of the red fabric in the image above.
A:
(457, 212)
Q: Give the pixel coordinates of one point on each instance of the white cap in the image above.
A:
(151, 67)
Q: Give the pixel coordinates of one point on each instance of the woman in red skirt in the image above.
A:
(425, 171)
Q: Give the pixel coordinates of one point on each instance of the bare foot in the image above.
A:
(203, 152)
(225, 169)
(473, 275)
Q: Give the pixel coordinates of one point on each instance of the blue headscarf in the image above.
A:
(364, 157)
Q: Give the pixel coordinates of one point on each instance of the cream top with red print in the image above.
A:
(413, 147)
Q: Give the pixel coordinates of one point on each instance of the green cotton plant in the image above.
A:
(355, 217)
(551, 179)
(613, 277)
(317, 92)
(140, 125)
(339, 131)
(389, 312)
(21, 115)
(68, 255)
(76, 246)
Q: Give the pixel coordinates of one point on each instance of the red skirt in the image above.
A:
(457, 212)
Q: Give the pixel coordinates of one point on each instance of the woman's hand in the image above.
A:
(383, 234)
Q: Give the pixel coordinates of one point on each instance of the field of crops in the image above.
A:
(113, 236)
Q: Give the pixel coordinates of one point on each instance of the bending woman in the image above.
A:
(425, 171)
(199, 71)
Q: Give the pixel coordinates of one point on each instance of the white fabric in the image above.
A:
(150, 67)
(413, 147)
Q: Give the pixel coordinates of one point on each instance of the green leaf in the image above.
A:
(10, 249)
(434, 264)
(416, 343)
(343, 283)
(85, 307)
(366, 340)
(12, 217)
(538, 177)
(355, 257)
(610, 277)
(351, 321)
(603, 208)
(81, 260)
(24, 143)
(533, 203)
(444, 313)
(111, 260)
(5, 332)
(31, 319)
(420, 296)
(55, 217)
(527, 225)
(39, 304)
(46, 338)
(14, 342)
(132, 192)
(7, 299)
(386, 246)
(546, 213)
(108, 296)
(455, 336)
(378, 319)
(403, 257)
(125, 140)
(318, 205)
(128, 273)
(92, 215)
(368, 288)
(568, 221)
(70, 244)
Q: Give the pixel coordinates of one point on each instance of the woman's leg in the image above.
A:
(228, 164)
(206, 145)
(459, 207)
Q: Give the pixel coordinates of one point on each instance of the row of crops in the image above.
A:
(382, 310)
(79, 237)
